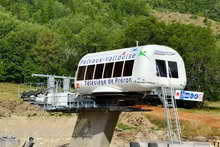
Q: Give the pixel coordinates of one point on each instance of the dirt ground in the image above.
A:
(22, 120)
(55, 131)
(46, 131)
(205, 119)
(141, 130)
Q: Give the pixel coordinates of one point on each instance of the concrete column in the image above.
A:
(94, 129)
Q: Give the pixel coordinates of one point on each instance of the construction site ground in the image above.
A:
(22, 120)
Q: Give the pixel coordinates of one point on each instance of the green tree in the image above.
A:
(195, 44)
(2, 70)
(146, 30)
(47, 10)
(26, 48)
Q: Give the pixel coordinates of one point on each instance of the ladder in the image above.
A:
(166, 95)
(171, 114)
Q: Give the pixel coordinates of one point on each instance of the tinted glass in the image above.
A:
(81, 72)
(99, 71)
(173, 70)
(118, 69)
(89, 72)
(108, 70)
(128, 68)
(161, 68)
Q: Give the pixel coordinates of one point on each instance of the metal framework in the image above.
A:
(76, 103)
(171, 114)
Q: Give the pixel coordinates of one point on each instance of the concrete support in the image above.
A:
(9, 141)
(94, 129)
(165, 144)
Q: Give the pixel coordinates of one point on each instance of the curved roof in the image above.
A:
(124, 54)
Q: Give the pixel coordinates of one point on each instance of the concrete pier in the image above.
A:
(166, 144)
(94, 129)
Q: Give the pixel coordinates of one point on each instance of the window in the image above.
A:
(118, 69)
(99, 71)
(161, 68)
(128, 68)
(81, 72)
(89, 72)
(173, 70)
(108, 70)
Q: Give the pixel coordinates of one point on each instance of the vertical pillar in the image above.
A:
(51, 84)
(66, 84)
(94, 129)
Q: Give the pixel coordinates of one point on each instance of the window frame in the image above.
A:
(92, 73)
(93, 77)
(102, 70)
(83, 73)
(124, 64)
(170, 71)
(121, 69)
(158, 73)
(111, 70)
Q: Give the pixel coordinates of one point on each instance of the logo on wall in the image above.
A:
(143, 53)
(126, 55)
(189, 95)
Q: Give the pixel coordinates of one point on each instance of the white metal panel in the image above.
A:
(143, 77)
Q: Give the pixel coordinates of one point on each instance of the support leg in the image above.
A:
(94, 129)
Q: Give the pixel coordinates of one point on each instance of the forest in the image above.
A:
(50, 36)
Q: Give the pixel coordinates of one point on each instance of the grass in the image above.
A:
(209, 108)
(192, 129)
(12, 91)
(10, 98)
(124, 127)
(154, 119)
(9, 91)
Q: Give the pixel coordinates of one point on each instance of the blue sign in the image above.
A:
(189, 95)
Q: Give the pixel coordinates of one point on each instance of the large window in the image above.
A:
(161, 68)
(99, 71)
(89, 72)
(81, 72)
(118, 69)
(173, 70)
(108, 70)
(128, 68)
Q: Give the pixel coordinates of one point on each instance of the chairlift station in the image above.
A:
(107, 83)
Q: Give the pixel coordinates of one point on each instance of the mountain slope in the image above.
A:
(176, 17)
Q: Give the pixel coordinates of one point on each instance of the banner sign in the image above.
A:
(189, 95)
(119, 56)
(103, 82)
(111, 81)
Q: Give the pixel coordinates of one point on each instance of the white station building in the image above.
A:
(136, 69)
